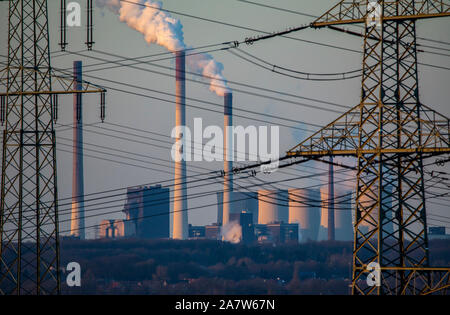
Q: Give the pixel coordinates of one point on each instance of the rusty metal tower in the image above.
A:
(29, 248)
(390, 133)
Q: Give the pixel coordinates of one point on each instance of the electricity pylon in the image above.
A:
(390, 133)
(29, 246)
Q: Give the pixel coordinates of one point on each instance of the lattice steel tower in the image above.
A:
(390, 133)
(29, 249)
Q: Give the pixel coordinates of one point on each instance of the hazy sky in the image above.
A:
(112, 36)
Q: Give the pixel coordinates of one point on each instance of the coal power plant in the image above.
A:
(243, 151)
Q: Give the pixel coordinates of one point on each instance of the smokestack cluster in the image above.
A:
(161, 28)
(227, 158)
(77, 228)
(180, 216)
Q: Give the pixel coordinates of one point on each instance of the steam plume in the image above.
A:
(232, 232)
(159, 27)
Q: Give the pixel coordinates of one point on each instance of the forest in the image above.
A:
(213, 267)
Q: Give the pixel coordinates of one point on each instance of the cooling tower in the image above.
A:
(386, 200)
(227, 158)
(268, 206)
(331, 224)
(304, 209)
(180, 216)
(77, 227)
(323, 229)
(343, 215)
(283, 206)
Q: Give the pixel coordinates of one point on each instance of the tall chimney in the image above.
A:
(180, 216)
(331, 233)
(227, 157)
(77, 227)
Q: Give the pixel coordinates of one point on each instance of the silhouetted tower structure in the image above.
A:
(77, 222)
(29, 241)
(180, 215)
(227, 158)
(390, 133)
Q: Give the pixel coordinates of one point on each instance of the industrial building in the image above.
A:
(148, 209)
(196, 232)
(212, 232)
(437, 233)
(276, 232)
(116, 229)
(245, 220)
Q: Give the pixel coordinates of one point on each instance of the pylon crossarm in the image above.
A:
(65, 84)
(351, 12)
(344, 12)
(340, 135)
(435, 128)
(355, 153)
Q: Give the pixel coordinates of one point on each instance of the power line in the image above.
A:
(316, 16)
(282, 33)
(307, 76)
(201, 101)
(295, 178)
(187, 198)
(142, 142)
(351, 72)
(202, 194)
(229, 81)
(431, 163)
(199, 207)
(139, 61)
(101, 152)
(278, 8)
(270, 183)
(253, 185)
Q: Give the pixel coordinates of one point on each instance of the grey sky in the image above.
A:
(112, 36)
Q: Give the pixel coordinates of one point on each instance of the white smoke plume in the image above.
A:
(159, 27)
(205, 65)
(231, 232)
